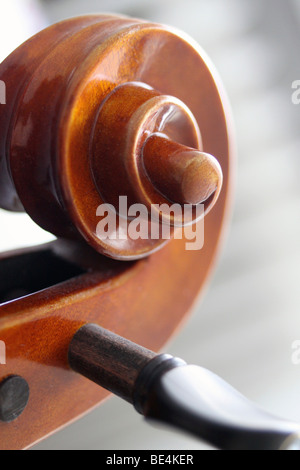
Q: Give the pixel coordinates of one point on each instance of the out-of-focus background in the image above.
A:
(250, 316)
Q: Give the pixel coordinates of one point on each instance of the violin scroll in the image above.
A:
(101, 107)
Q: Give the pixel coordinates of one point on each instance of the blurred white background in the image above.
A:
(244, 328)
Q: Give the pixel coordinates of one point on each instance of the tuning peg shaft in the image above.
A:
(182, 174)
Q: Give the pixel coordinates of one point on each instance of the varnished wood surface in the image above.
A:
(186, 175)
(83, 145)
(250, 314)
(144, 301)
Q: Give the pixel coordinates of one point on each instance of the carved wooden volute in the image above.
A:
(97, 108)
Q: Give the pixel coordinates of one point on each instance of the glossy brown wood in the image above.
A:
(56, 83)
(83, 110)
(17, 72)
(182, 174)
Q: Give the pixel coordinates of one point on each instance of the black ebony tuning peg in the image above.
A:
(167, 389)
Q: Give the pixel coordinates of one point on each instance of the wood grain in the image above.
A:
(57, 81)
